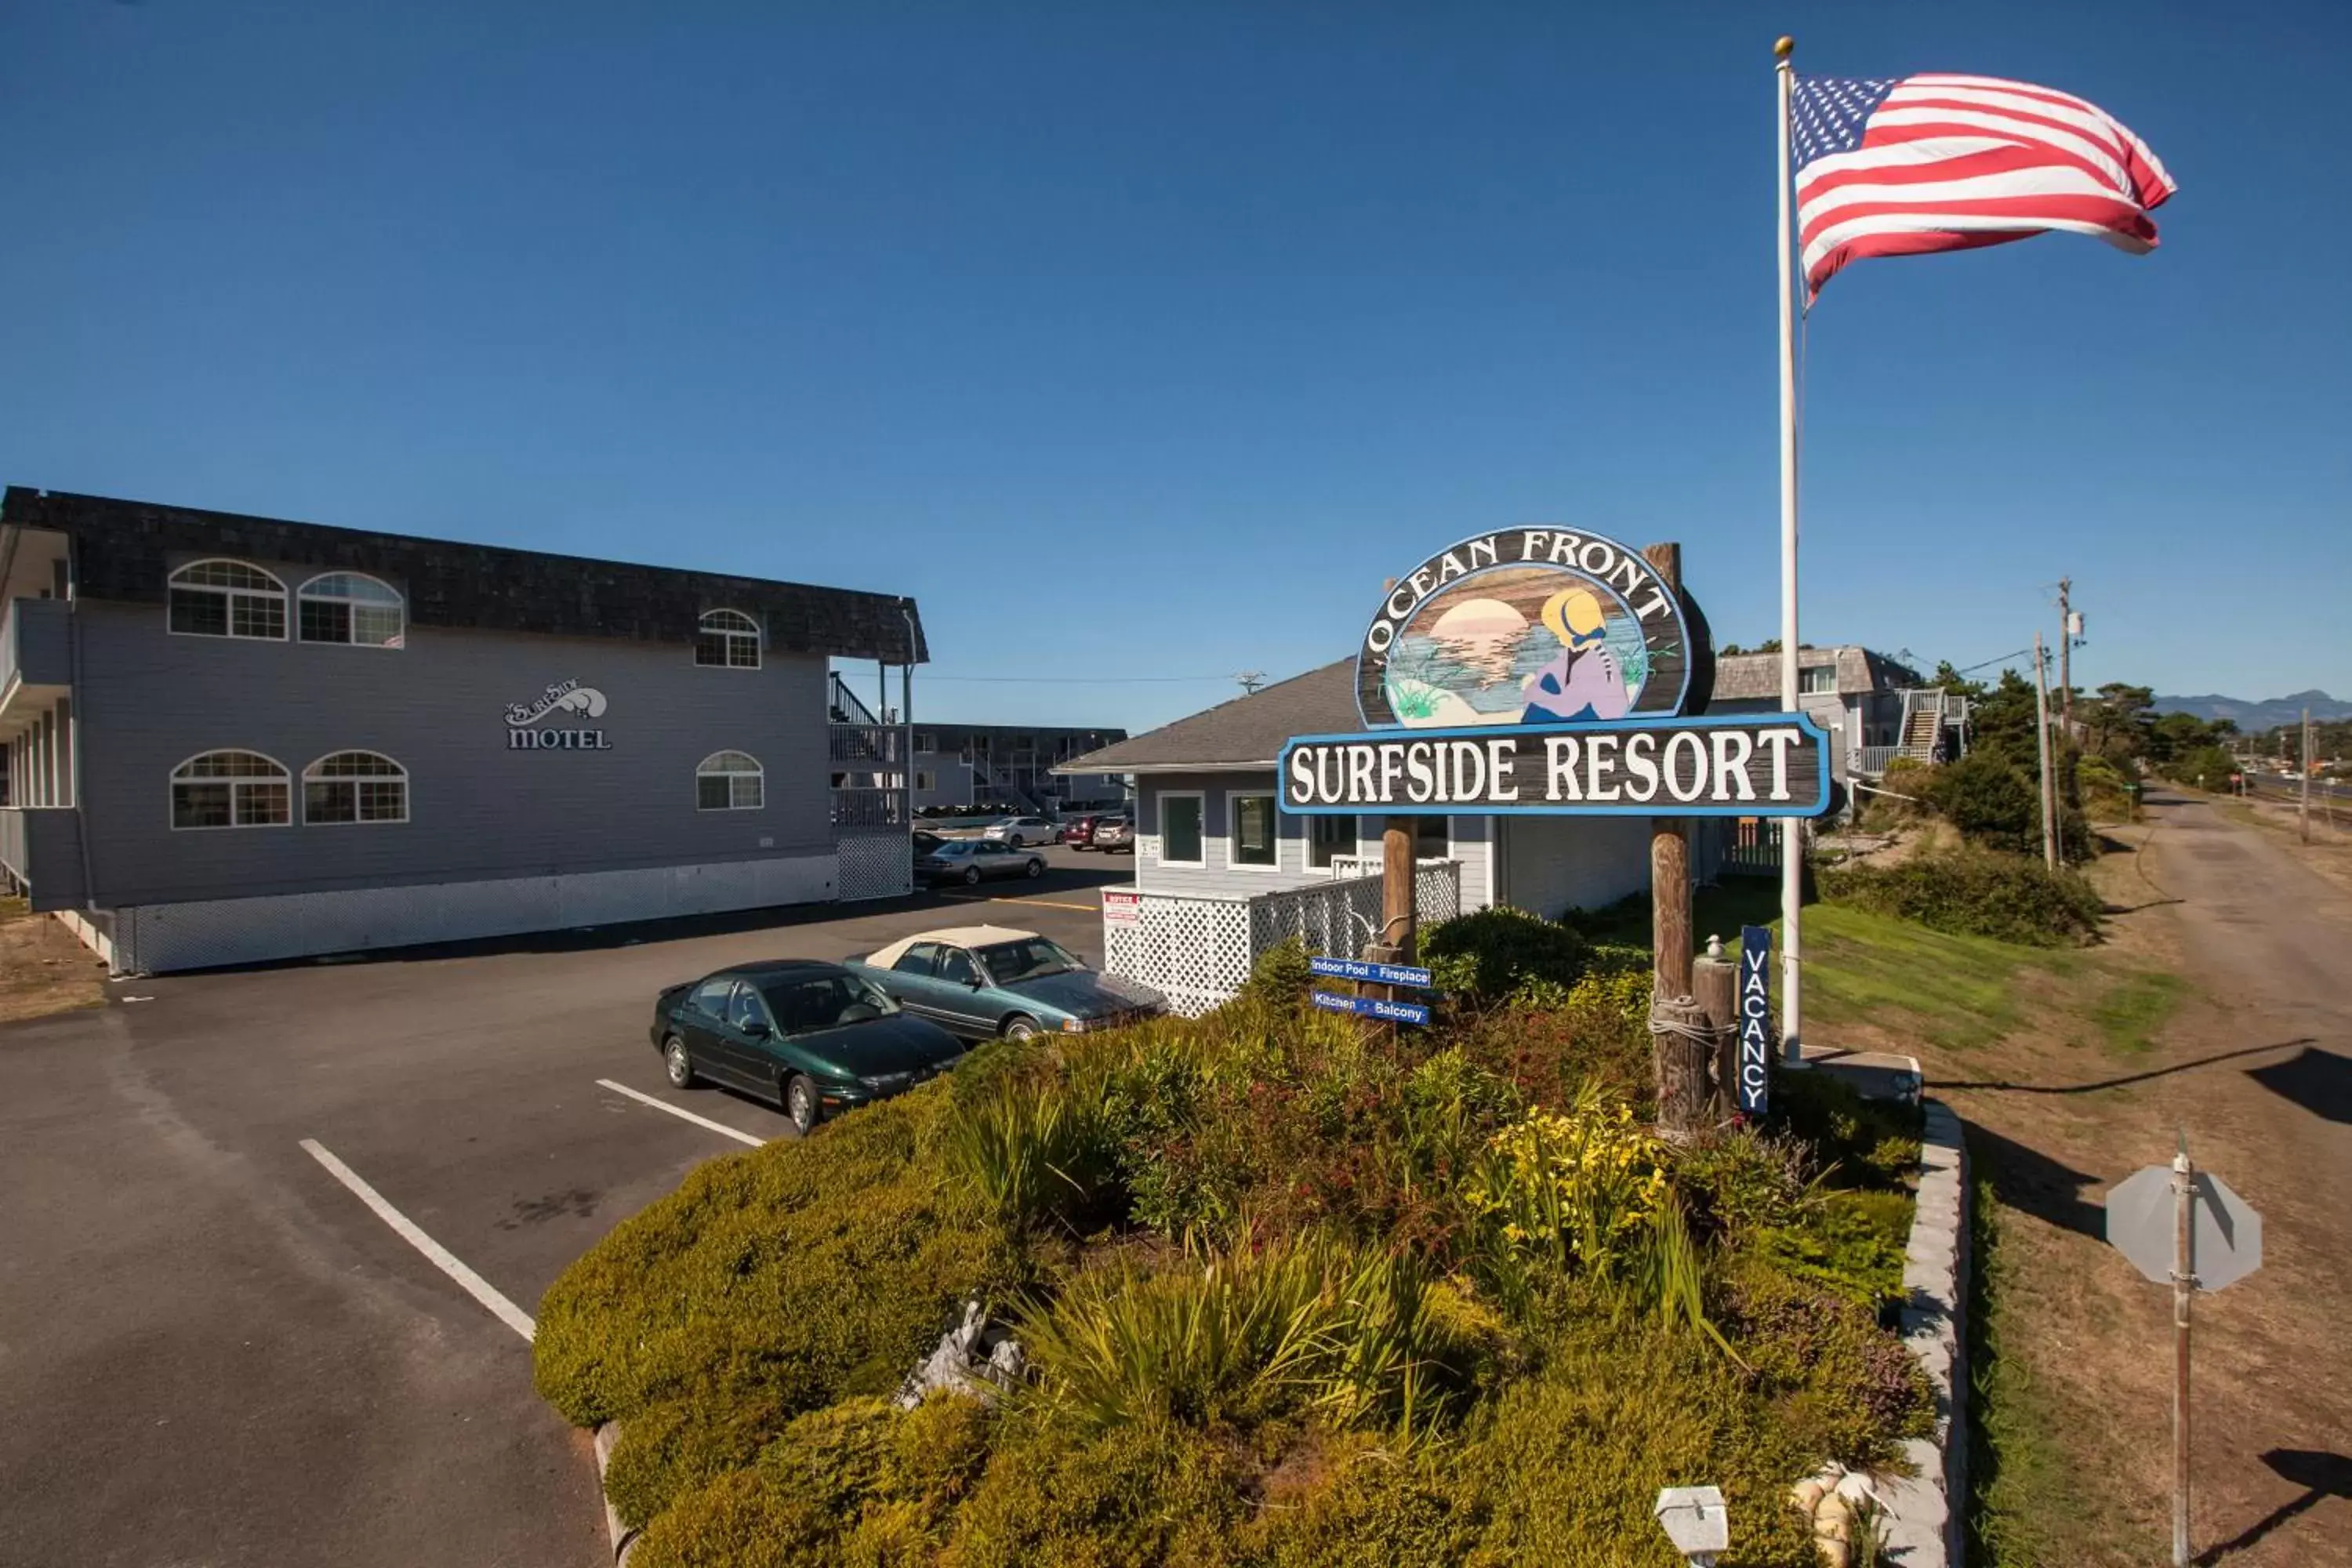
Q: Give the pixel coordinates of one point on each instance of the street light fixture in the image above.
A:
(1694, 1520)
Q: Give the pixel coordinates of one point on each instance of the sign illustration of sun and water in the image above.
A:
(1548, 671)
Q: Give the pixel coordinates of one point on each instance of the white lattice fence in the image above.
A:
(1198, 950)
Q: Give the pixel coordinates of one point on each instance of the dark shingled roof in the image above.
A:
(1749, 676)
(122, 550)
(1249, 731)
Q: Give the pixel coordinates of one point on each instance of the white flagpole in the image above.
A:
(1793, 830)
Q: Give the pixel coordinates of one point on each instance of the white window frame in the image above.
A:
(706, 769)
(310, 776)
(1160, 807)
(310, 594)
(1811, 672)
(749, 629)
(237, 785)
(172, 585)
(926, 782)
(1349, 845)
(1234, 799)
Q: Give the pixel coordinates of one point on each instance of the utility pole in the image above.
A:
(2041, 731)
(2066, 630)
(1250, 680)
(2303, 810)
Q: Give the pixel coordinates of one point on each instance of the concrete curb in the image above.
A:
(624, 1540)
(1925, 1521)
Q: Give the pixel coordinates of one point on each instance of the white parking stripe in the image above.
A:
(682, 1115)
(481, 1289)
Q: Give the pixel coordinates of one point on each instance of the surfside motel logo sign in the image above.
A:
(1544, 671)
(525, 731)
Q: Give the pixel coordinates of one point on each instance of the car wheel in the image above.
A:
(1036, 867)
(677, 1065)
(1020, 1026)
(800, 1104)
(971, 876)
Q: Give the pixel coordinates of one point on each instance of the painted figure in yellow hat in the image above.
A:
(1584, 681)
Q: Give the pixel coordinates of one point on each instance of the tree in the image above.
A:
(2117, 719)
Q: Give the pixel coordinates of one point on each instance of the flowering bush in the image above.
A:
(1572, 1191)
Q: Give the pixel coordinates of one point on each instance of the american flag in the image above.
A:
(1910, 164)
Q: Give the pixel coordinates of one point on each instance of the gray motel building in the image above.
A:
(228, 739)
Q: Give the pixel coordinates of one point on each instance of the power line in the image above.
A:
(1081, 680)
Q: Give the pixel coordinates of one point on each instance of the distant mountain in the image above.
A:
(2254, 717)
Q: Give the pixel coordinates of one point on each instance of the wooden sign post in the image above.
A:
(1551, 671)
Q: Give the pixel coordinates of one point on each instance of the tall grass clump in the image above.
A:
(1035, 1152)
(1306, 1324)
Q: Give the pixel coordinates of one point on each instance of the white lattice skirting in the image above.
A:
(152, 938)
(1198, 950)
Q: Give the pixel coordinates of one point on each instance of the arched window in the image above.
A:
(352, 607)
(727, 639)
(729, 781)
(227, 599)
(231, 789)
(354, 786)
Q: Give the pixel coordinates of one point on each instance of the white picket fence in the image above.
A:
(1197, 949)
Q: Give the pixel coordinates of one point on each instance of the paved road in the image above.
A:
(212, 1353)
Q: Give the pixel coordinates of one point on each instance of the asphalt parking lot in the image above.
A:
(214, 1348)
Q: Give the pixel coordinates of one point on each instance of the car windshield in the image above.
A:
(802, 1006)
(1031, 958)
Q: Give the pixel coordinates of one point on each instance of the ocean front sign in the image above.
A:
(1525, 626)
(1754, 764)
(525, 733)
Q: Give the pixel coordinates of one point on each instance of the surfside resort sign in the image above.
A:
(1548, 671)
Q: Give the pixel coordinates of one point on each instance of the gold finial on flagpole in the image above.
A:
(1783, 48)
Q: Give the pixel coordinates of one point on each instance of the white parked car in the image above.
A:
(1023, 831)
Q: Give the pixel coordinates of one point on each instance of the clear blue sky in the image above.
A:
(1146, 340)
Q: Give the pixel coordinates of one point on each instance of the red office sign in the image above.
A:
(1753, 764)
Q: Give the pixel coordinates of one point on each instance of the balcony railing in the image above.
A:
(36, 652)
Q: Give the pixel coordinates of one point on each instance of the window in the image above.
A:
(926, 782)
(920, 959)
(346, 607)
(747, 1011)
(727, 780)
(1253, 829)
(925, 741)
(1328, 837)
(354, 786)
(710, 996)
(1429, 841)
(727, 639)
(1816, 677)
(1179, 828)
(227, 599)
(956, 967)
(231, 789)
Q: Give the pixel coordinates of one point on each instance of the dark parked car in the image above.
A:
(969, 860)
(1113, 834)
(926, 841)
(984, 981)
(812, 1037)
(1078, 833)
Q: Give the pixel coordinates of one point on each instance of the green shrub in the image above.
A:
(1854, 1141)
(1847, 1241)
(1343, 1501)
(1988, 799)
(1059, 1497)
(1487, 955)
(1974, 892)
(1741, 1182)
(768, 1284)
(1839, 1385)
(1280, 975)
(1596, 1031)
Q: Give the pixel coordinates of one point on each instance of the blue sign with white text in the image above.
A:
(1755, 1009)
(1375, 1007)
(1364, 968)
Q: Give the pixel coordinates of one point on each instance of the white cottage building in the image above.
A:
(1221, 874)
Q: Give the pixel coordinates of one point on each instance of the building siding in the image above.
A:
(1553, 864)
(1469, 842)
(478, 810)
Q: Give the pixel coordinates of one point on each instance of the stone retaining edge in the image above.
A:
(1925, 1514)
(624, 1540)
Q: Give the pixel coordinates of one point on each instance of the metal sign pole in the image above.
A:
(2184, 1286)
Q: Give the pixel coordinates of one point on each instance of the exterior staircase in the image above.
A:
(1922, 726)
